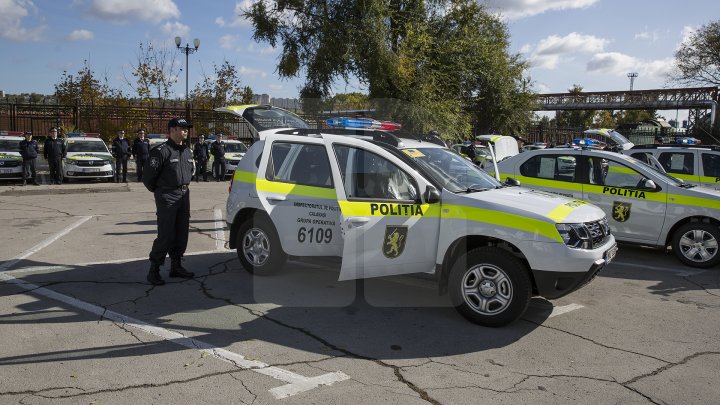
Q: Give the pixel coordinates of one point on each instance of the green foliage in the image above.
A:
(698, 59)
(154, 73)
(83, 87)
(427, 64)
(223, 88)
(632, 116)
(578, 118)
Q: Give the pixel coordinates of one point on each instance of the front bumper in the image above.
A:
(8, 173)
(75, 172)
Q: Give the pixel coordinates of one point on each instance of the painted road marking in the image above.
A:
(564, 309)
(296, 383)
(219, 230)
(679, 272)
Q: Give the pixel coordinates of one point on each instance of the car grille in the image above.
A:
(599, 231)
(11, 163)
(234, 162)
(90, 163)
(91, 174)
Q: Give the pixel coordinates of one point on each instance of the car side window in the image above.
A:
(297, 163)
(711, 164)
(604, 172)
(370, 176)
(678, 162)
(551, 167)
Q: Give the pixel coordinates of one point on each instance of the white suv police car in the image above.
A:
(10, 159)
(390, 206)
(87, 158)
(694, 164)
(646, 206)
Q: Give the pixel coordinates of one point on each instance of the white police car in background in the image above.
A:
(87, 158)
(10, 159)
(646, 206)
(695, 164)
(387, 206)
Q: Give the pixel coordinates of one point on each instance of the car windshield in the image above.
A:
(617, 137)
(452, 171)
(9, 145)
(235, 147)
(269, 118)
(79, 146)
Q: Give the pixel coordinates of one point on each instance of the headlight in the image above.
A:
(575, 235)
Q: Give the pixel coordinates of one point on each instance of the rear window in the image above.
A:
(711, 164)
(678, 162)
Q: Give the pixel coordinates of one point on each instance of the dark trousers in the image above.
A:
(29, 169)
(200, 168)
(219, 169)
(121, 163)
(173, 223)
(139, 163)
(55, 169)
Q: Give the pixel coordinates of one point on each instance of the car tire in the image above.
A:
(696, 244)
(258, 247)
(489, 286)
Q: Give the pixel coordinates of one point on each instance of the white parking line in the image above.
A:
(296, 383)
(564, 309)
(219, 230)
(681, 273)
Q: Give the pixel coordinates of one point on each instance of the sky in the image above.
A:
(591, 43)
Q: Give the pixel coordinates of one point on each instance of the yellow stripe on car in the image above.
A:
(559, 213)
(284, 188)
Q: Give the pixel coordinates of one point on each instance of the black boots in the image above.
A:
(177, 270)
(154, 275)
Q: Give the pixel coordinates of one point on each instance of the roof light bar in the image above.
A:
(363, 123)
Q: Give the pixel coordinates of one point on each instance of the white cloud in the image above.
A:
(252, 73)
(554, 49)
(260, 50)
(237, 19)
(228, 41)
(653, 36)
(176, 29)
(81, 35)
(12, 12)
(615, 63)
(514, 9)
(122, 11)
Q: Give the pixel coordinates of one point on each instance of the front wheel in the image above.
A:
(489, 286)
(259, 247)
(696, 244)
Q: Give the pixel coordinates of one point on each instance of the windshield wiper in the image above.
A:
(473, 190)
(686, 185)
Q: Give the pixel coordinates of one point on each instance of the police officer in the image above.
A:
(29, 151)
(217, 149)
(201, 155)
(167, 173)
(121, 151)
(140, 152)
(54, 152)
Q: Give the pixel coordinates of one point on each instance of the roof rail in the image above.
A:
(676, 145)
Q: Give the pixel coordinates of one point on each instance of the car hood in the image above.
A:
(534, 204)
(88, 156)
(10, 155)
(234, 155)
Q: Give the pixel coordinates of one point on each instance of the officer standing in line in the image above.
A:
(54, 152)
(29, 151)
(217, 149)
(121, 151)
(140, 152)
(167, 173)
(201, 155)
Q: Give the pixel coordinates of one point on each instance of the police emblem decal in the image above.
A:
(621, 211)
(154, 162)
(394, 241)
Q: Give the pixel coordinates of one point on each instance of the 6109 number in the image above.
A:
(314, 235)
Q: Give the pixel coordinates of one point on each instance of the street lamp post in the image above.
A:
(187, 50)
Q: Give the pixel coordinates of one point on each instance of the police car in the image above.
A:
(87, 158)
(692, 163)
(234, 151)
(611, 138)
(646, 206)
(264, 119)
(10, 159)
(390, 205)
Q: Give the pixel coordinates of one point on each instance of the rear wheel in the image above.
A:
(489, 286)
(696, 244)
(258, 247)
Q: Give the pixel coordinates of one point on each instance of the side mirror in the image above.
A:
(432, 196)
(648, 185)
(512, 182)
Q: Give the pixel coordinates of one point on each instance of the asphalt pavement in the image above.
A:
(80, 324)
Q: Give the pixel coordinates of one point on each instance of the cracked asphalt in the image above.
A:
(647, 330)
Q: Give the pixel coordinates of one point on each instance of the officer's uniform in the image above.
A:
(29, 151)
(167, 173)
(217, 149)
(201, 155)
(121, 151)
(54, 152)
(141, 151)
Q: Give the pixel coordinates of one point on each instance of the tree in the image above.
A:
(697, 61)
(223, 88)
(575, 118)
(154, 73)
(428, 64)
(604, 119)
(83, 87)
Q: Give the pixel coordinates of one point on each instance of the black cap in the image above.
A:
(52, 129)
(179, 122)
(140, 130)
(28, 133)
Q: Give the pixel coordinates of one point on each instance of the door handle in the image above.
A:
(276, 198)
(357, 221)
